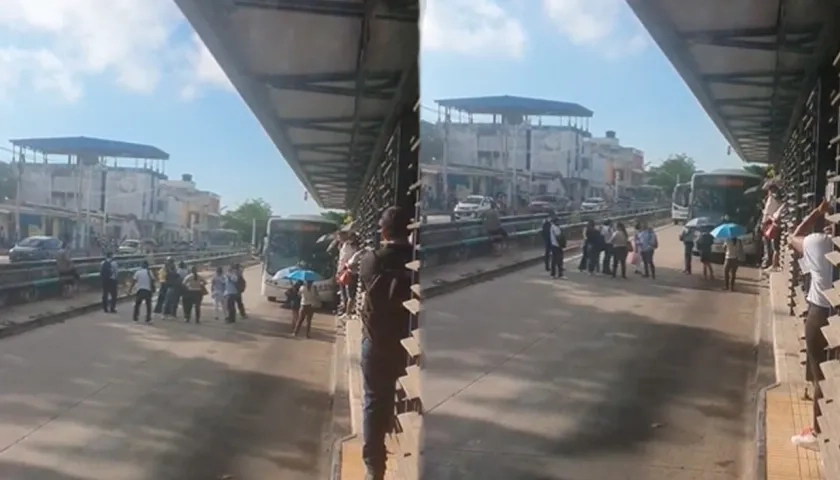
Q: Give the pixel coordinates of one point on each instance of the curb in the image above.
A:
(59, 317)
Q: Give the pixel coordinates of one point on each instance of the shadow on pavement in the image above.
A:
(111, 399)
(588, 378)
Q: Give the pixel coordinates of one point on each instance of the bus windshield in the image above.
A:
(295, 243)
(221, 237)
(718, 196)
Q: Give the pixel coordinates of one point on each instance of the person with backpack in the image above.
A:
(687, 239)
(108, 274)
(173, 283)
(231, 291)
(385, 322)
(558, 245)
(144, 280)
(548, 224)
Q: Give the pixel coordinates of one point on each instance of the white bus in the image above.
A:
(679, 203)
(728, 195)
(293, 242)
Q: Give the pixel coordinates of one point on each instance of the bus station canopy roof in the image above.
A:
(323, 77)
(512, 105)
(96, 147)
(750, 63)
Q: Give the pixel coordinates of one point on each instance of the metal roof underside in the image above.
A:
(750, 63)
(508, 104)
(324, 78)
(98, 147)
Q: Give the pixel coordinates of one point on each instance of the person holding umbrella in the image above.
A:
(734, 251)
(308, 298)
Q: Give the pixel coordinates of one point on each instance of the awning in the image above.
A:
(750, 63)
(323, 77)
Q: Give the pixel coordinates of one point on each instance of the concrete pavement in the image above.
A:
(102, 397)
(591, 377)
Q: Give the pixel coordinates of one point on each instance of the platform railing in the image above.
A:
(21, 284)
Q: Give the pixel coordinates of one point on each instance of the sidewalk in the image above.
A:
(788, 410)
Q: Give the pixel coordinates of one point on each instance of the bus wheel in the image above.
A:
(272, 299)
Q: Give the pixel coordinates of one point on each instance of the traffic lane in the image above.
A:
(591, 377)
(102, 397)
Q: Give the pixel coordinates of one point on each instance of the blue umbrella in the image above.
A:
(728, 231)
(304, 276)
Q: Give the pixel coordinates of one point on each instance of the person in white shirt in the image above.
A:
(771, 214)
(145, 283)
(813, 247)
(733, 251)
(607, 232)
(558, 245)
(345, 253)
(309, 301)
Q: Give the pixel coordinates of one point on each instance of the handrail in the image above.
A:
(97, 259)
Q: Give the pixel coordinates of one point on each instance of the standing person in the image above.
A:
(309, 301)
(704, 246)
(813, 248)
(385, 322)
(648, 245)
(345, 273)
(108, 273)
(217, 291)
(734, 250)
(687, 239)
(195, 287)
(144, 280)
(241, 284)
(168, 265)
(589, 257)
(293, 301)
(637, 248)
(606, 234)
(548, 242)
(230, 294)
(620, 248)
(558, 245)
(174, 285)
(771, 232)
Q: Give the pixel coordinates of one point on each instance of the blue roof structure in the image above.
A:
(90, 146)
(508, 104)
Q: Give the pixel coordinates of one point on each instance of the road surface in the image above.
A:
(99, 398)
(590, 378)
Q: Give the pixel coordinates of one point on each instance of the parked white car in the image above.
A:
(472, 207)
(593, 204)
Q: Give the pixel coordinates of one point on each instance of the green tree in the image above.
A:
(8, 182)
(242, 217)
(765, 171)
(338, 216)
(676, 168)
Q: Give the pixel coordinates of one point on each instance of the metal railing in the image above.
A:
(446, 243)
(20, 283)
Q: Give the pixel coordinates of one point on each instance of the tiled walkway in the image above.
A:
(787, 414)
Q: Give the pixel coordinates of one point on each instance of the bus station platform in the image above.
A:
(592, 377)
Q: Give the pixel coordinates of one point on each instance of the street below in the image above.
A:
(100, 397)
(592, 378)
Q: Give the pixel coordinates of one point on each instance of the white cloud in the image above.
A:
(58, 44)
(203, 70)
(472, 27)
(595, 23)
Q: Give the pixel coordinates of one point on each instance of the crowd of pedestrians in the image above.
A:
(606, 248)
(176, 285)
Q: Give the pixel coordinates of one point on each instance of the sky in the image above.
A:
(134, 70)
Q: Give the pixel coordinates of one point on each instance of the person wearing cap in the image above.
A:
(385, 322)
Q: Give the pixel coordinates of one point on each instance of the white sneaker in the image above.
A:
(806, 440)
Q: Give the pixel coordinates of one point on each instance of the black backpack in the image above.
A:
(240, 284)
(384, 298)
(106, 271)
